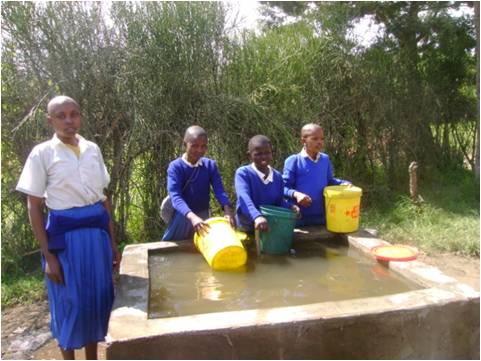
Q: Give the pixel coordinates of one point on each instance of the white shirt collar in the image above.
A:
(262, 176)
(82, 143)
(197, 164)
(305, 155)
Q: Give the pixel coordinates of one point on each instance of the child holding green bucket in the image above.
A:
(307, 173)
(256, 185)
(189, 178)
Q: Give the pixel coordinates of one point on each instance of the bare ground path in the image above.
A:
(26, 334)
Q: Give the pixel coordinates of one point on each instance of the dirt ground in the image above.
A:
(26, 334)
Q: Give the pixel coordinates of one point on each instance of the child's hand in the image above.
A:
(296, 210)
(229, 216)
(201, 228)
(261, 224)
(302, 199)
(53, 269)
(198, 224)
(117, 257)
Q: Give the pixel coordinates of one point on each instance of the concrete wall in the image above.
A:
(438, 322)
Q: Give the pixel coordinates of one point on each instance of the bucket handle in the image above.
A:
(257, 237)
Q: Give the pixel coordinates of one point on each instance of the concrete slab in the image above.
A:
(440, 321)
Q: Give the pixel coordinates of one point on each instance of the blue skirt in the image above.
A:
(80, 309)
(180, 228)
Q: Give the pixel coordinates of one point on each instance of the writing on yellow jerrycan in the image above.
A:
(221, 246)
(343, 204)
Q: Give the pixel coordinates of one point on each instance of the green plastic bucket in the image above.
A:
(281, 230)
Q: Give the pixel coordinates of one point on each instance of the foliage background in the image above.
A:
(148, 70)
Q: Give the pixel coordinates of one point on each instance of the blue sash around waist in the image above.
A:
(62, 221)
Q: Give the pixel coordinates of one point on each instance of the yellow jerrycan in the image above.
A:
(221, 246)
(343, 206)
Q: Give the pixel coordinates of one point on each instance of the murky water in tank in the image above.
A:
(182, 283)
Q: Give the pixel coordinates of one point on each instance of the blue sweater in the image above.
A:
(306, 176)
(252, 193)
(196, 195)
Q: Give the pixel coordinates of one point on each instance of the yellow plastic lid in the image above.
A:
(343, 191)
(397, 252)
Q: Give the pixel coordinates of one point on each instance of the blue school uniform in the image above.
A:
(189, 189)
(253, 191)
(80, 309)
(77, 232)
(303, 174)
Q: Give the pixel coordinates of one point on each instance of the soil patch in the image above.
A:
(464, 269)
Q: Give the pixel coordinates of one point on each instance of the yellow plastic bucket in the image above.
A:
(221, 246)
(343, 205)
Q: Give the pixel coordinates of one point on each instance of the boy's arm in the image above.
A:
(331, 180)
(218, 187)
(289, 177)
(35, 214)
(221, 195)
(243, 195)
(282, 201)
(174, 187)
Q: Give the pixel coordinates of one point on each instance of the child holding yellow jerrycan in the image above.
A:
(189, 179)
(309, 179)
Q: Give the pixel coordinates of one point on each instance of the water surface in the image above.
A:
(182, 283)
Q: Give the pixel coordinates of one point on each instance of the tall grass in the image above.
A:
(24, 284)
(446, 221)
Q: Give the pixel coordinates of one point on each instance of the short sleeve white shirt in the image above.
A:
(53, 171)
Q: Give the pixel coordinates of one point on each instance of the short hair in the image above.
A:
(194, 131)
(258, 141)
(309, 128)
(60, 100)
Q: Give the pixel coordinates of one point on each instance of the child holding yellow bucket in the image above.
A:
(258, 184)
(189, 178)
(307, 173)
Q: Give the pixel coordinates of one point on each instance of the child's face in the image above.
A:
(65, 120)
(196, 148)
(261, 156)
(314, 141)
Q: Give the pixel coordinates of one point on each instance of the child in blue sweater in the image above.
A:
(307, 173)
(258, 184)
(189, 178)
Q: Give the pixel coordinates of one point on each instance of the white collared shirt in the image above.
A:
(52, 171)
(305, 155)
(262, 176)
(197, 164)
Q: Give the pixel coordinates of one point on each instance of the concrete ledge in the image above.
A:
(440, 321)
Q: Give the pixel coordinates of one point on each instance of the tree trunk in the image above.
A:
(476, 17)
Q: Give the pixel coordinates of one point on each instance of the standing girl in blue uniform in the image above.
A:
(258, 184)
(67, 174)
(307, 173)
(189, 179)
